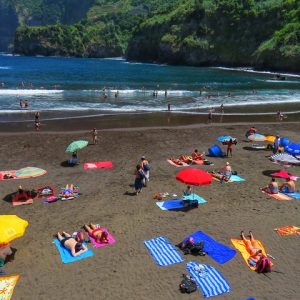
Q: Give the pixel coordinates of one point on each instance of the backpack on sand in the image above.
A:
(263, 265)
(146, 167)
(188, 284)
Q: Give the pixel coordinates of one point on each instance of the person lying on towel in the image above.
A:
(185, 158)
(196, 155)
(288, 187)
(68, 191)
(272, 187)
(254, 250)
(224, 174)
(8, 176)
(70, 243)
(176, 161)
(22, 195)
(95, 232)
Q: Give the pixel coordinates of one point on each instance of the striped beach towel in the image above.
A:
(163, 252)
(210, 281)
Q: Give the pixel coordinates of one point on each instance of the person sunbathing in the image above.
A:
(68, 191)
(98, 234)
(176, 161)
(185, 158)
(22, 195)
(224, 174)
(188, 191)
(8, 176)
(253, 248)
(288, 187)
(196, 155)
(272, 187)
(70, 243)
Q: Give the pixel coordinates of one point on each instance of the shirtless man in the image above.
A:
(196, 155)
(288, 187)
(272, 188)
(70, 243)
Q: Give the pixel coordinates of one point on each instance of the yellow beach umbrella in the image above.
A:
(11, 227)
(270, 138)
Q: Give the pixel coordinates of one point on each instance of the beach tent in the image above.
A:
(284, 142)
(293, 149)
(215, 151)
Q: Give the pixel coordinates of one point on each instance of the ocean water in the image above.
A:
(76, 84)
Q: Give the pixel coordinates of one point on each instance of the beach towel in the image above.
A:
(7, 285)
(51, 199)
(177, 203)
(75, 192)
(111, 240)
(217, 251)
(295, 195)
(18, 203)
(279, 196)
(66, 255)
(210, 281)
(28, 172)
(240, 245)
(98, 165)
(163, 252)
(176, 165)
(288, 230)
(233, 178)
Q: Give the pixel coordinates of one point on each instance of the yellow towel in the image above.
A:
(240, 245)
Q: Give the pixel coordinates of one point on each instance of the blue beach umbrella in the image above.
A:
(293, 149)
(225, 138)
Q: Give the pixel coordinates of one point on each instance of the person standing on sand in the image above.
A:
(146, 169)
(139, 177)
(95, 136)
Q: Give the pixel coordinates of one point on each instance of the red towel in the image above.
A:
(98, 165)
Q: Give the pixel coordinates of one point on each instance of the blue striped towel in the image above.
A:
(163, 252)
(210, 281)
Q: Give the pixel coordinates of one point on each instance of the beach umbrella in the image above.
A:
(293, 149)
(29, 172)
(256, 137)
(225, 138)
(76, 145)
(11, 227)
(284, 174)
(285, 159)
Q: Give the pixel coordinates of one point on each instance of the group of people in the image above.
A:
(24, 104)
(189, 159)
(142, 175)
(273, 187)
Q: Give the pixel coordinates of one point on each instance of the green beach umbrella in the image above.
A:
(29, 172)
(76, 145)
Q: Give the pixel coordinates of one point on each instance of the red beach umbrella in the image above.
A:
(284, 174)
(194, 176)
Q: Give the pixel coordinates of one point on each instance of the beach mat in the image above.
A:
(66, 255)
(217, 251)
(210, 281)
(111, 240)
(288, 230)
(98, 165)
(7, 285)
(177, 203)
(178, 166)
(23, 173)
(240, 246)
(279, 196)
(233, 178)
(163, 252)
(293, 195)
(18, 203)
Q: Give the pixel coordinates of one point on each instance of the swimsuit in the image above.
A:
(63, 241)
(67, 191)
(95, 231)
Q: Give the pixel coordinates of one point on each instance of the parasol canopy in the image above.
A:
(194, 176)
(225, 138)
(76, 145)
(11, 227)
(29, 172)
(256, 137)
(284, 174)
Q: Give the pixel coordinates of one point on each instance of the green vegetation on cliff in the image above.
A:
(261, 33)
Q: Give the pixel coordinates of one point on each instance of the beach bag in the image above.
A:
(146, 167)
(263, 265)
(190, 203)
(188, 284)
(197, 249)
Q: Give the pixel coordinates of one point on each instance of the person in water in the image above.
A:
(98, 234)
(288, 187)
(253, 248)
(70, 243)
(272, 187)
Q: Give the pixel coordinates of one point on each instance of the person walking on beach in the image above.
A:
(21, 103)
(229, 147)
(139, 177)
(95, 136)
(146, 169)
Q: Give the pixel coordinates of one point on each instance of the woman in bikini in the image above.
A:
(70, 243)
(68, 191)
(98, 234)
(253, 248)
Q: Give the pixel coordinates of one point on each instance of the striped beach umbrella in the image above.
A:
(285, 159)
(29, 172)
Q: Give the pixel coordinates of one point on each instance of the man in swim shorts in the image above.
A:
(288, 187)
(70, 243)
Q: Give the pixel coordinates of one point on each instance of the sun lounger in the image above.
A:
(210, 281)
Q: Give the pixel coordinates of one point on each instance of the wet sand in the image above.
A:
(126, 270)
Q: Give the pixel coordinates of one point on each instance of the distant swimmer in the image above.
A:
(105, 95)
(169, 106)
(21, 103)
(26, 104)
(166, 93)
(222, 108)
(116, 94)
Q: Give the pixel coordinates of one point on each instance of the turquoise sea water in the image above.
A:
(75, 84)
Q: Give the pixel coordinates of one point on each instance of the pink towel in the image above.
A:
(98, 165)
(111, 240)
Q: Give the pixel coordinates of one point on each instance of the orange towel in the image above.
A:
(288, 230)
(240, 245)
(279, 196)
(17, 203)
